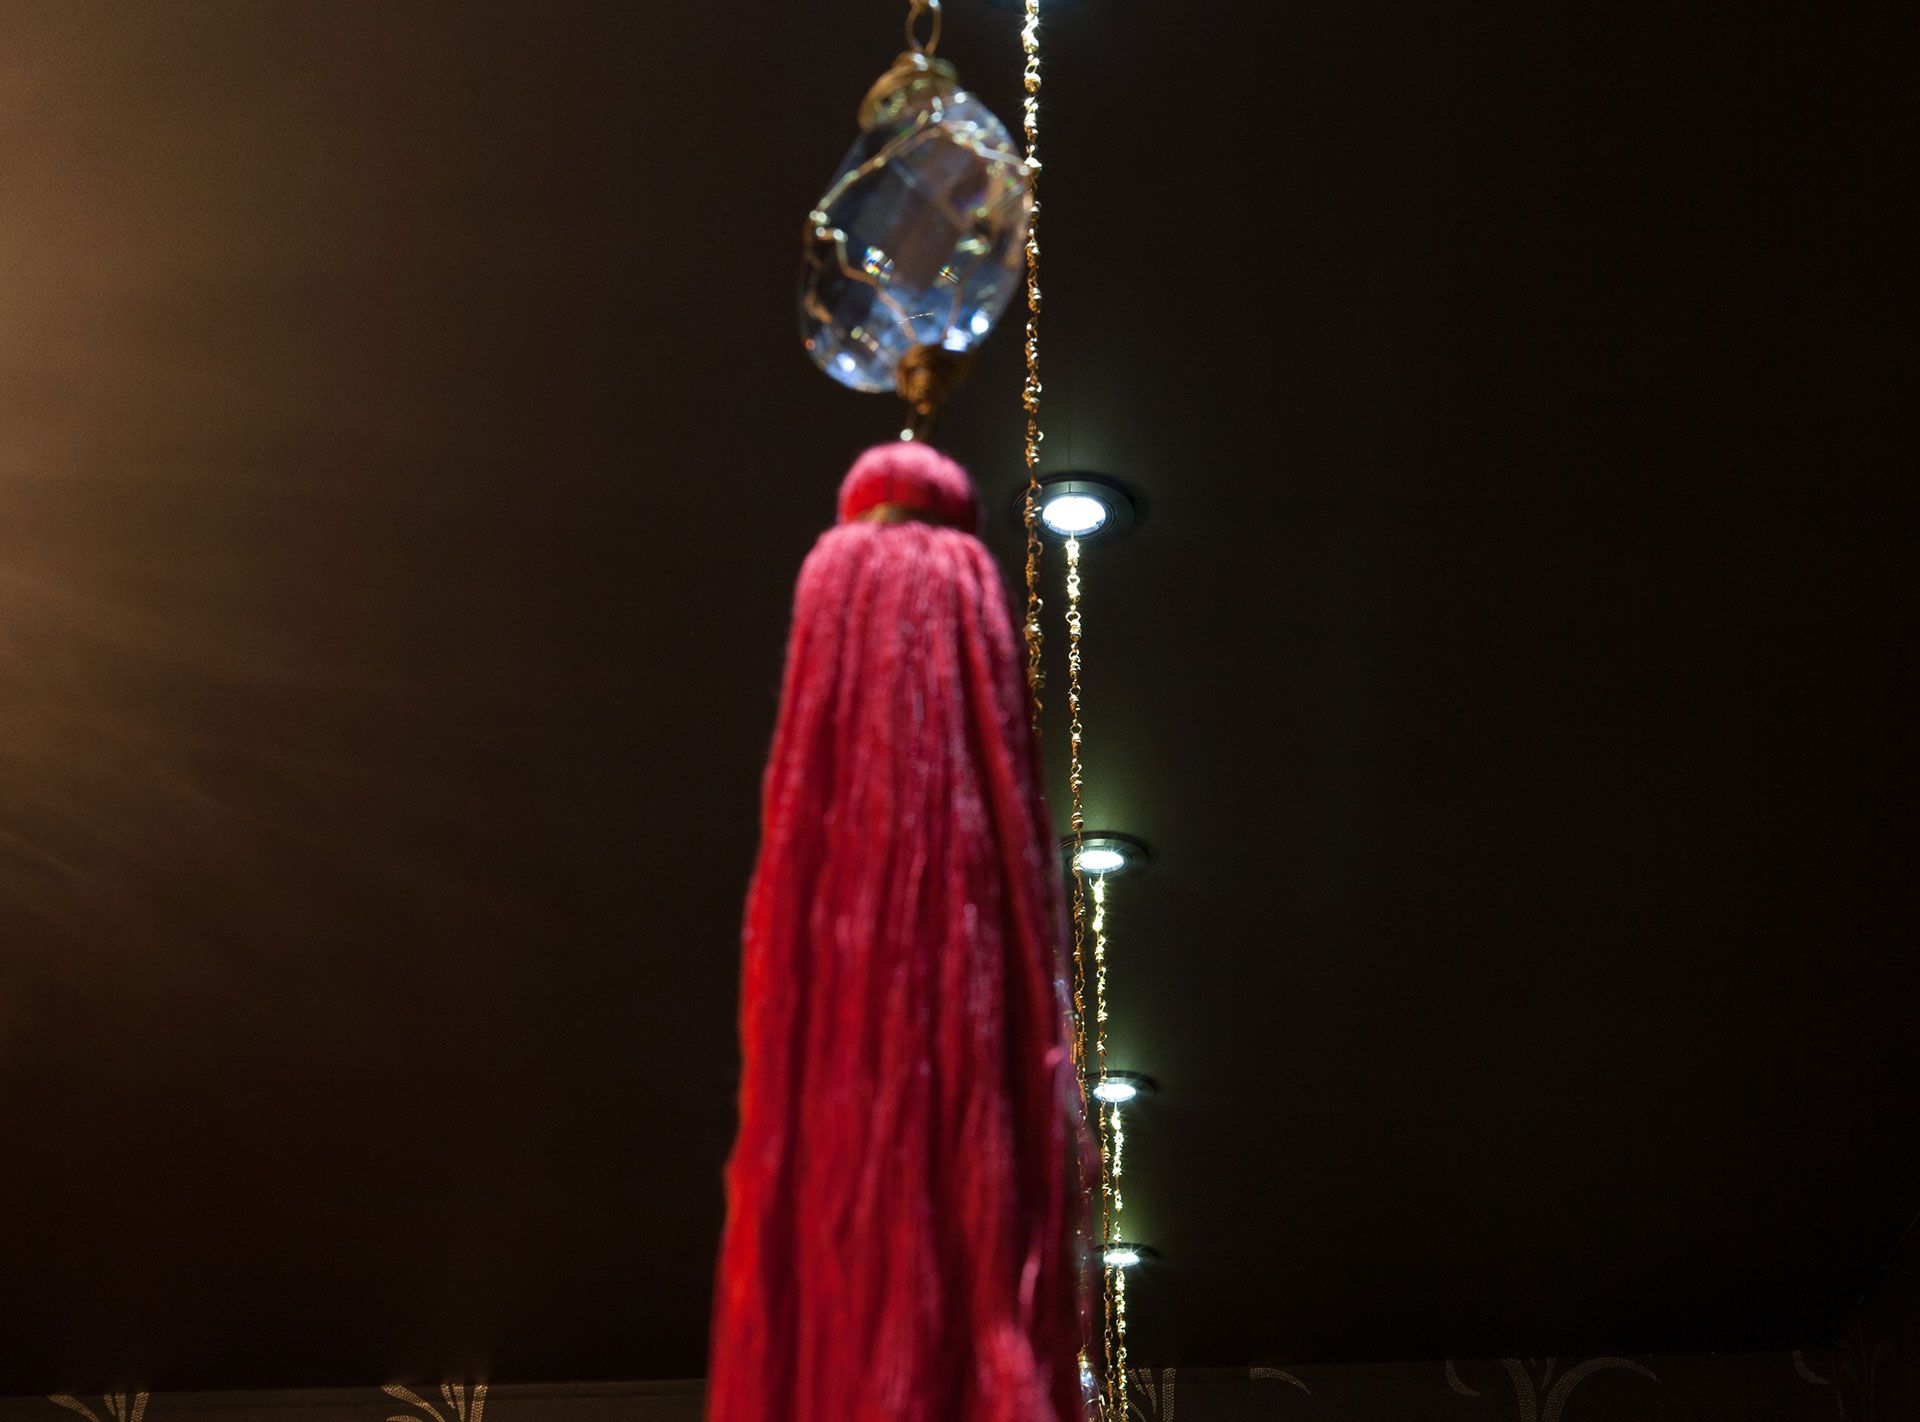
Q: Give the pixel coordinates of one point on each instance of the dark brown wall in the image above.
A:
(1877, 1359)
(405, 454)
(352, 782)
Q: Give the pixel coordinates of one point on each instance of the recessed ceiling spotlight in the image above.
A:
(1106, 853)
(1090, 507)
(1117, 1088)
(1121, 1255)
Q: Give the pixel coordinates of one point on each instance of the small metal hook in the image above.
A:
(915, 9)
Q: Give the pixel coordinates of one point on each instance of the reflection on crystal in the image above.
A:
(917, 240)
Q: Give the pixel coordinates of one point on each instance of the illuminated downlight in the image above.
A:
(1105, 853)
(1091, 508)
(1073, 515)
(1117, 1088)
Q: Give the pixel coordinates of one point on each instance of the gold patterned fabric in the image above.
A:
(1809, 1385)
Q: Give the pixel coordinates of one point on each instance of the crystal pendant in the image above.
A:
(918, 239)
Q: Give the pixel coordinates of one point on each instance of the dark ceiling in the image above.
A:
(405, 455)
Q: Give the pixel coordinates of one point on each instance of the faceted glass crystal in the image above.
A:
(917, 241)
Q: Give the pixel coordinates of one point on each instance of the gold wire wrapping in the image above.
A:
(1090, 995)
(1030, 391)
(1112, 1142)
(1106, 1120)
(1076, 817)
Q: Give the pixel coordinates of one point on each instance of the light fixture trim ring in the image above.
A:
(1133, 851)
(1140, 1085)
(1125, 508)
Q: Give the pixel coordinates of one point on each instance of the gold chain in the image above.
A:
(1030, 392)
(1077, 820)
(1113, 1327)
(1090, 992)
(1107, 1120)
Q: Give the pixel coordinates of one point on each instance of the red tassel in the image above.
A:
(905, 1231)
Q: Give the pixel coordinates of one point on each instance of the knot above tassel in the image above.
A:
(908, 480)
